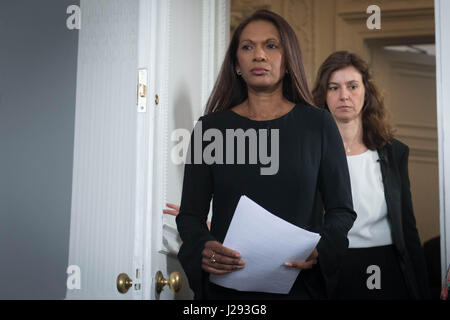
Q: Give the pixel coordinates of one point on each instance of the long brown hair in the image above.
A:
(231, 90)
(376, 128)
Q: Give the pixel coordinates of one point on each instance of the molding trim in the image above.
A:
(300, 15)
(422, 140)
(208, 38)
(414, 69)
(417, 130)
(160, 123)
(401, 20)
(241, 9)
(423, 155)
(394, 15)
(215, 34)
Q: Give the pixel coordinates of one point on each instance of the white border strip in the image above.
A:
(443, 124)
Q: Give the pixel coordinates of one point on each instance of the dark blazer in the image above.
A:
(394, 170)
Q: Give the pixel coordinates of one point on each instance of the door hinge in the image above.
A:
(142, 90)
(137, 284)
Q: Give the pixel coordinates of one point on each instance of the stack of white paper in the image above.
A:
(265, 242)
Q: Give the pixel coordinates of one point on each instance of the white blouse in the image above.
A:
(371, 227)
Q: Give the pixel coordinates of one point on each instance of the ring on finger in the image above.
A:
(212, 260)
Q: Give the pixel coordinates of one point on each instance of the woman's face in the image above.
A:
(345, 94)
(260, 55)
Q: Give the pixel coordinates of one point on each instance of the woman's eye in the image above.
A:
(246, 47)
(353, 87)
(332, 88)
(272, 46)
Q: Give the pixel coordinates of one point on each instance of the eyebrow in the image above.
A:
(351, 81)
(270, 39)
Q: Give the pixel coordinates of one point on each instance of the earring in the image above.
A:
(239, 72)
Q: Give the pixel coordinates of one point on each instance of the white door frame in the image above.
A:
(153, 138)
(441, 8)
(145, 137)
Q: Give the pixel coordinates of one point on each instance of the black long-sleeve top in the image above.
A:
(312, 165)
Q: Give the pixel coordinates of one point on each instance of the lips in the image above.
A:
(258, 70)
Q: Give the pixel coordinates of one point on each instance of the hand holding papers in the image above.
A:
(265, 242)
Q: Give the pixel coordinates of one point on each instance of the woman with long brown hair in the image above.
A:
(385, 258)
(262, 90)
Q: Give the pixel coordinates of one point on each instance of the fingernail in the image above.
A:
(288, 264)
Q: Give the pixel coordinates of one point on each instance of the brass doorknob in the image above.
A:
(174, 281)
(124, 283)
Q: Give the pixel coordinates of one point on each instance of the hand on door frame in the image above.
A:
(175, 209)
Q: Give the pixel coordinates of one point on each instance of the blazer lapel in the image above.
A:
(392, 194)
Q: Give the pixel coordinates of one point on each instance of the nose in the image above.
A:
(343, 95)
(259, 54)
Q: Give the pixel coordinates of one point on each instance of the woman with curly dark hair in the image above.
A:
(385, 258)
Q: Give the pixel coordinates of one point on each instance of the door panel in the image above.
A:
(104, 175)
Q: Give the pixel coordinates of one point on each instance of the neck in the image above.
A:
(266, 105)
(351, 132)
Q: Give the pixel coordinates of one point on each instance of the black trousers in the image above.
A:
(372, 274)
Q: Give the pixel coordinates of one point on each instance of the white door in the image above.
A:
(103, 213)
(123, 173)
